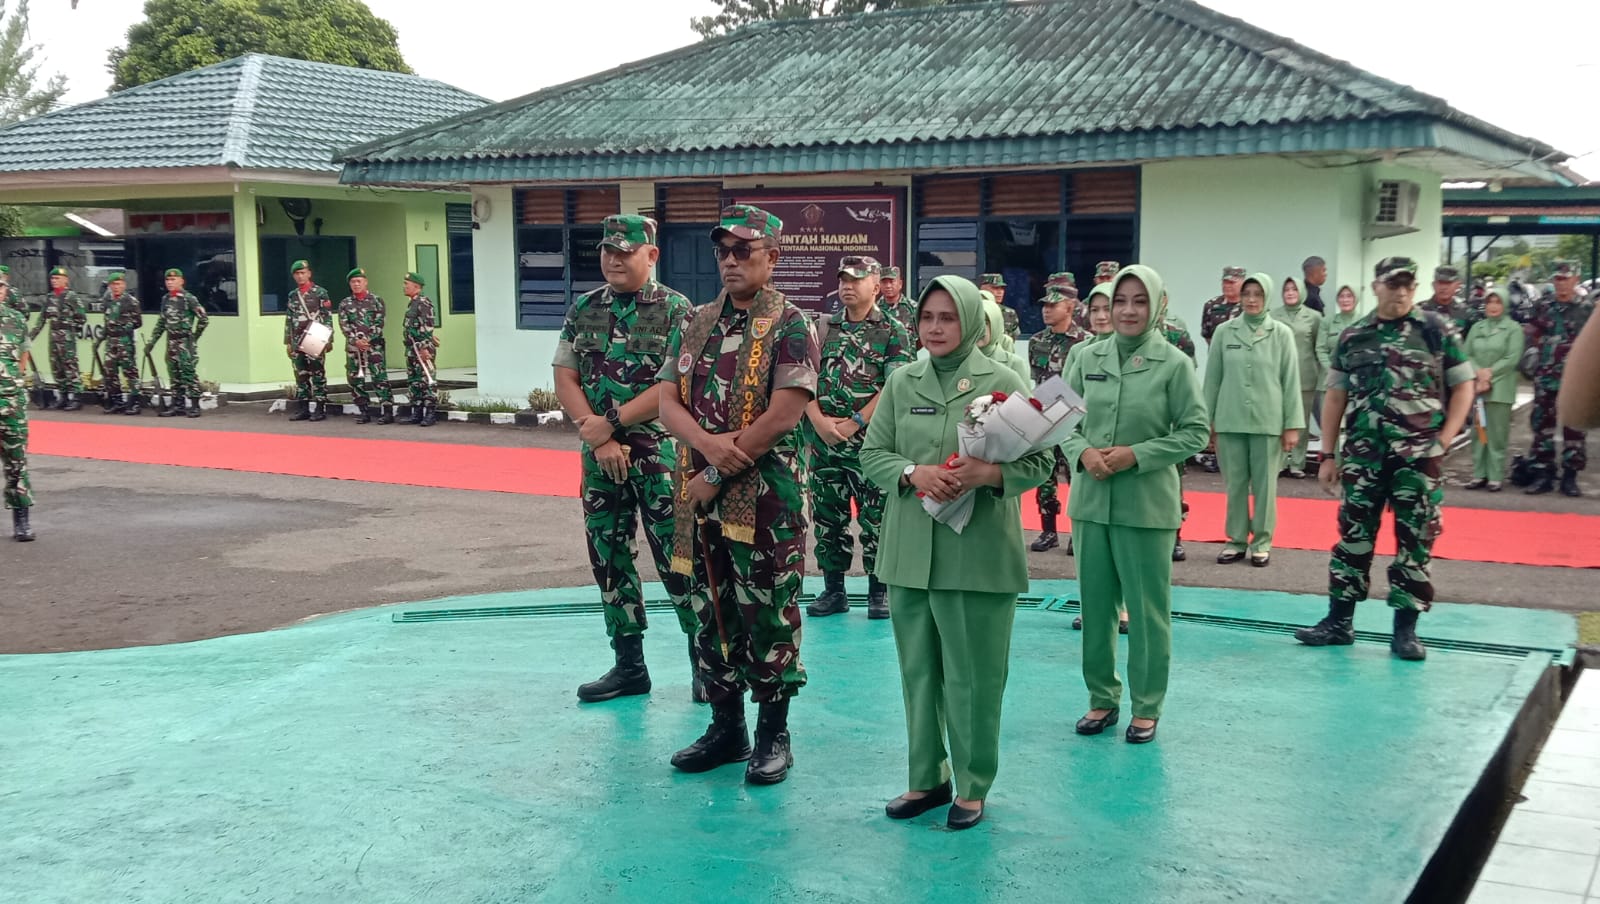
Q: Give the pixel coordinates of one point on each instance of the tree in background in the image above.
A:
(179, 35)
(736, 13)
(21, 94)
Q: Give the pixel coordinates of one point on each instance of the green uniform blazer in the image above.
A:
(1253, 382)
(1152, 404)
(1306, 325)
(1328, 339)
(1497, 345)
(913, 424)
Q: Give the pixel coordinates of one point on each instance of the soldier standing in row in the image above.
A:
(733, 390)
(183, 319)
(1446, 283)
(361, 317)
(66, 314)
(1224, 307)
(1387, 385)
(14, 410)
(613, 344)
(995, 284)
(417, 329)
(860, 345)
(124, 319)
(893, 301)
(1557, 320)
(308, 303)
(1047, 357)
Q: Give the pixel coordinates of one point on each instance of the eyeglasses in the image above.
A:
(740, 252)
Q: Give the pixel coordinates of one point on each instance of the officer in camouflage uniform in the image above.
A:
(361, 316)
(1557, 319)
(124, 319)
(1104, 272)
(613, 344)
(1446, 283)
(1047, 356)
(308, 303)
(14, 409)
(1224, 307)
(183, 319)
(860, 345)
(746, 365)
(893, 300)
(1391, 373)
(66, 313)
(417, 329)
(995, 284)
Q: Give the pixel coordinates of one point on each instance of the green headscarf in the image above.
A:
(1088, 303)
(1265, 282)
(969, 307)
(997, 324)
(1156, 288)
(1494, 293)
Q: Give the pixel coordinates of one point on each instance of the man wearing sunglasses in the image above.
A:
(734, 386)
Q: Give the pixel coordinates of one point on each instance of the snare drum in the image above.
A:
(315, 339)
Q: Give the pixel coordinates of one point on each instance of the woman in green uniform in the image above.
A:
(1257, 414)
(1337, 321)
(1306, 326)
(1494, 345)
(1099, 320)
(999, 346)
(952, 597)
(1145, 415)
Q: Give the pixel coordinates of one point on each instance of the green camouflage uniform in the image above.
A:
(310, 372)
(1178, 335)
(618, 345)
(362, 318)
(66, 313)
(417, 328)
(14, 405)
(1047, 357)
(183, 319)
(760, 581)
(856, 360)
(123, 320)
(1396, 373)
(1219, 310)
(996, 281)
(1550, 333)
(1458, 314)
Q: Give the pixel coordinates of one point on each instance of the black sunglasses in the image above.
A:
(740, 252)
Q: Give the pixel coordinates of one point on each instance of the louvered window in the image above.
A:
(558, 257)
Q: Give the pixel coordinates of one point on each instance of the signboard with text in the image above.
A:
(820, 226)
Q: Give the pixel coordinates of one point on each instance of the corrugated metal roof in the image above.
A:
(254, 111)
(776, 94)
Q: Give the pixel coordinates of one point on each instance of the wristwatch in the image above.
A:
(906, 474)
(860, 421)
(614, 418)
(712, 476)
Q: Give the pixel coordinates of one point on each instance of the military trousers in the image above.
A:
(64, 360)
(310, 376)
(758, 598)
(14, 449)
(183, 365)
(375, 383)
(612, 513)
(121, 353)
(1297, 455)
(1489, 451)
(1250, 463)
(954, 648)
(1542, 419)
(1131, 565)
(1048, 494)
(1413, 490)
(836, 482)
(417, 380)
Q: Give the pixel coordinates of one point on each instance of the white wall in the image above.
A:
(510, 361)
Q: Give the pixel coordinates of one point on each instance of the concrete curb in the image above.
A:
(525, 418)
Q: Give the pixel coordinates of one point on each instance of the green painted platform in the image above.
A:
(364, 758)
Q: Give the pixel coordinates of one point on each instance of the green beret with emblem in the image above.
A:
(173, 271)
(299, 265)
(59, 271)
(357, 271)
(115, 275)
(747, 222)
(412, 277)
(627, 231)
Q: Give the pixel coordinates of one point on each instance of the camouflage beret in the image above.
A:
(1446, 274)
(59, 271)
(859, 266)
(1061, 280)
(743, 221)
(1233, 273)
(357, 271)
(1106, 269)
(173, 271)
(299, 265)
(1059, 294)
(626, 232)
(1391, 267)
(889, 273)
(992, 279)
(115, 275)
(1562, 269)
(412, 277)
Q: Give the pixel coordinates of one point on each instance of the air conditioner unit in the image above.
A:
(1394, 209)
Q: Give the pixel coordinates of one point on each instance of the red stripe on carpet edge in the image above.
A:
(1482, 535)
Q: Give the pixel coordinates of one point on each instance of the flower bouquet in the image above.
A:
(1000, 428)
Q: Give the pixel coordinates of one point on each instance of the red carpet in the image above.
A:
(1482, 535)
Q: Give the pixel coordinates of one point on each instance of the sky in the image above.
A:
(1522, 66)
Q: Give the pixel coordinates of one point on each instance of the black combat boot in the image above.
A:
(70, 402)
(832, 600)
(109, 403)
(302, 413)
(173, 408)
(1543, 482)
(416, 413)
(627, 678)
(1569, 483)
(363, 413)
(130, 403)
(430, 415)
(194, 408)
(1405, 643)
(1048, 539)
(770, 762)
(319, 410)
(1178, 552)
(21, 531)
(61, 400)
(1335, 629)
(725, 741)
(697, 690)
(387, 417)
(877, 598)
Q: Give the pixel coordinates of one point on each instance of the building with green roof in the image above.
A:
(228, 173)
(1018, 137)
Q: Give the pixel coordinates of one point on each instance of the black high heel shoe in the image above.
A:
(905, 808)
(1088, 726)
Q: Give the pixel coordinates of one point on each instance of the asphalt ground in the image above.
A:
(132, 554)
